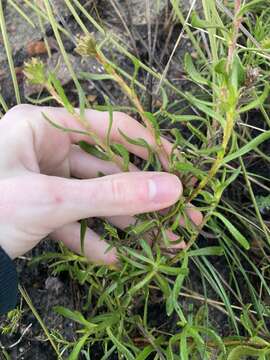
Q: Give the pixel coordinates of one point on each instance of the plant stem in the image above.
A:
(86, 125)
(237, 23)
(41, 322)
(218, 162)
(253, 199)
(9, 53)
(231, 113)
(135, 100)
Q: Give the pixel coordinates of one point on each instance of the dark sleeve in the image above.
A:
(8, 283)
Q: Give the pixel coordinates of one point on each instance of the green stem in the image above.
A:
(9, 54)
(195, 43)
(214, 169)
(61, 45)
(41, 322)
(253, 199)
(22, 13)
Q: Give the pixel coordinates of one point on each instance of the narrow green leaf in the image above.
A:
(172, 301)
(83, 230)
(138, 255)
(238, 73)
(248, 147)
(232, 178)
(138, 142)
(169, 270)
(221, 67)
(208, 151)
(119, 344)
(74, 316)
(207, 251)
(184, 353)
(199, 134)
(60, 127)
(247, 7)
(180, 279)
(192, 71)
(142, 283)
(108, 353)
(199, 23)
(147, 249)
(184, 118)
(188, 168)
(137, 66)
(257, 102)
(52, 79)
(142, 143)
(93, 150)
(155, 125)
(83, 102)
(144, 354)
(143, 226)
(243, 351)
(232, 229)
(205, 109)
(165, 99)
(77, 348)
(214, 335)
(120, 150)
(163, 285)
(38, 101)
(93, 76)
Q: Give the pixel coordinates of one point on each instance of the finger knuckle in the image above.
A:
(51, 191)
(118, 191)
(125, 191)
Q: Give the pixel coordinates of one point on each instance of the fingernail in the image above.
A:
(164, 188)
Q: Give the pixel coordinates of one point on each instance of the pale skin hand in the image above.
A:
(40, 197)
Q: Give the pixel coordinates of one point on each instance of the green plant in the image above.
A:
(215, 149)
(13, 320)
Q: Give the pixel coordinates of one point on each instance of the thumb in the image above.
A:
(59, 201)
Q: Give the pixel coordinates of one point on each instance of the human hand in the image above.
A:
(39, 197)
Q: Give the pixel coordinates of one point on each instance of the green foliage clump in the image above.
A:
(215, 149)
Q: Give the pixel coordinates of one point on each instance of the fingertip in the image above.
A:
(111, 257)
(194, 215)
(173, 237)
(96, 250)
(103, 257)
(164, 188)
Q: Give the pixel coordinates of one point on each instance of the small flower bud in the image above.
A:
(34, 71)
(86, 45)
